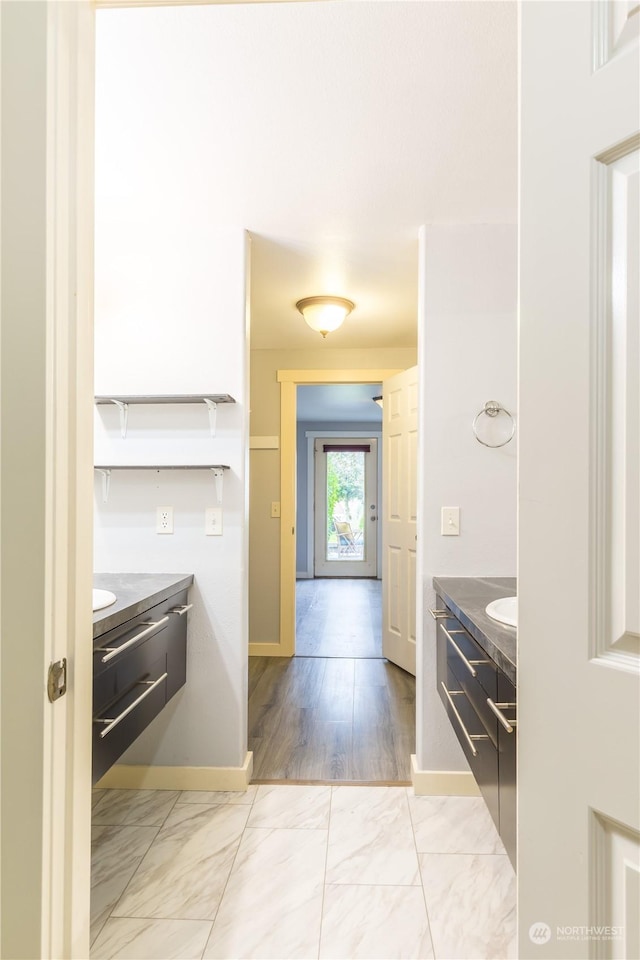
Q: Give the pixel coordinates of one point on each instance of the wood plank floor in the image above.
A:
(339, 618)
(343, 719)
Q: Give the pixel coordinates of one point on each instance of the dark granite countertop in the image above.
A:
(467, 597)
(135, 593)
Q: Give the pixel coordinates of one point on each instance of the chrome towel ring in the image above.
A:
(491, 409)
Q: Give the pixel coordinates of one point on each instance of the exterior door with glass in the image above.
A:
(346, 507)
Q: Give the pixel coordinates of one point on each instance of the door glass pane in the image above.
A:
(345, 505)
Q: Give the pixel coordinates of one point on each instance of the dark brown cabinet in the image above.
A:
(137, 668)
(481, 704)
(507, 766)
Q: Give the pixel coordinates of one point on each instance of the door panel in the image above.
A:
(412, 581)
(393, 618)
(395, 475)
(617, 413)
(579, 481)
(399, 506)
(346, 507)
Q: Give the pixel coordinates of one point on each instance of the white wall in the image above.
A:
(165, 348)
(171, 318)
(468, 353)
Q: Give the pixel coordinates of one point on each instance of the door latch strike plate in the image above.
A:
(57, 680)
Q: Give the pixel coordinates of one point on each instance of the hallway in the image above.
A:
(313, 718)
(339, 617)
(337, 711)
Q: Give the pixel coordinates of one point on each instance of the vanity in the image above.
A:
(476, 679)
(139, 657)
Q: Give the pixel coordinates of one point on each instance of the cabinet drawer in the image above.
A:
(478, 747)
(507, 765)
(119, 654)
(466, 658)
(115, 646)
(118, 677)
(124, 719)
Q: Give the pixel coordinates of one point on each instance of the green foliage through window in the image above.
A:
(345, 488)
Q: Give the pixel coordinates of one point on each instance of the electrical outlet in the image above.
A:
(450, 522)
(275, 508)
(164, 519)
(213, 521)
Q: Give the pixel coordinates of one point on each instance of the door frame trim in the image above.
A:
(47, 490)
(289, 380)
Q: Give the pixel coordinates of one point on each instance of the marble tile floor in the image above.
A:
(298, 871)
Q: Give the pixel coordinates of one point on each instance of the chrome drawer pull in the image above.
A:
(495, 708)
(112, 652)
(150, 685)
(469, 664)
(181, 610)
(439, 614)
(468, 736)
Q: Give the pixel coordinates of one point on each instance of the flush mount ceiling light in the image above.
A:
(325, 314)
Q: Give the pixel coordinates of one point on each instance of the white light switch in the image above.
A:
(275, 508)
(450, 522)
(213, 521)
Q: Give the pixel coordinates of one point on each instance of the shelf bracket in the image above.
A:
(106, 483)
(218, 476)
(212, 407)
(124, 416)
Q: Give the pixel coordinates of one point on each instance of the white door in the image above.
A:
(399, 506)
(579, 482)
(46, 475)
(346, 507)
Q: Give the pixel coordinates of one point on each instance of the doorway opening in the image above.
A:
(339, 475)
(335, 709)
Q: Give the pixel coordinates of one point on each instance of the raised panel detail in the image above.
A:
(412, 580)
(615, 881)
(413, 399)
(616, 26)
(394, 562)
(395, 486)
(413, 475)
(615, 541)
(394, 402)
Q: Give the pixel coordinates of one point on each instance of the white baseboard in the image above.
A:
(266, 650)
(442, 783)
(125, 776)
(304, 575)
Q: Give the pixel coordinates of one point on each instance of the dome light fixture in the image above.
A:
(325, 314)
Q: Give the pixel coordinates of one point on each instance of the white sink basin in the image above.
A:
(504, 610)
(103, 598)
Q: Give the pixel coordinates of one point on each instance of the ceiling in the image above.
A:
(339, 403)
(331, 131)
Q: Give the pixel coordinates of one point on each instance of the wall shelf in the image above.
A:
(124, 401)
(217, 468)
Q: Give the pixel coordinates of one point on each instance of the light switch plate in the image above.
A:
(213, 521)
(450, 521)
(275, 508)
